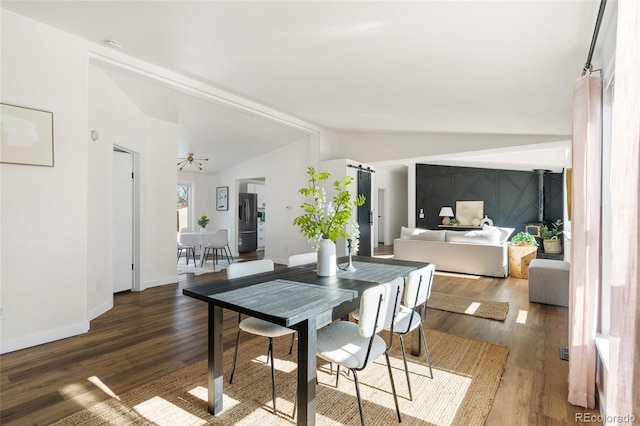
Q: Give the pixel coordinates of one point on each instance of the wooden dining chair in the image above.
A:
(355, 346)
(255, 325)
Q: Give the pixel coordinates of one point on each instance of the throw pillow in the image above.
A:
(428, 235)
(490, 236)
(504, 233)
(421, 234)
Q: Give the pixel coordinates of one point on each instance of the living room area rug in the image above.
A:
(466, 372)
(469, 306)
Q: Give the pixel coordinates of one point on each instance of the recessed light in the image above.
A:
(113, 43)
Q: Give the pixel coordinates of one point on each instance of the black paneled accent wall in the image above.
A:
(510, 196)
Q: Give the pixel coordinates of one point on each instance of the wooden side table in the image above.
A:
(519, 259)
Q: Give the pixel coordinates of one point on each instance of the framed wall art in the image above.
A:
(26, 136)
(222, 198)
(470, 212)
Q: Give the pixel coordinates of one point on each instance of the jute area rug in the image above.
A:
(469, 306)
(466, 376)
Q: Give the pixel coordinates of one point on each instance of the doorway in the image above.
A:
(122, 221)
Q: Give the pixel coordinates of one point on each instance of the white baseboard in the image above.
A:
(97, 311)
(161, 281)
(45, 337)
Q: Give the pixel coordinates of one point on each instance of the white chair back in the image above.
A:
(394, 291)
(423, 278)
(185, 229)
(302, 259)
(243, 269)
(369, 303)
(220, 238)
(188, 240)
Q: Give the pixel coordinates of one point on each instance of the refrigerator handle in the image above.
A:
(247, 212)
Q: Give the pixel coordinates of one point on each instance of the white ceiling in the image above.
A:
(498, 67)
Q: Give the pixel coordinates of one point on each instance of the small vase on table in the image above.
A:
(349, 266)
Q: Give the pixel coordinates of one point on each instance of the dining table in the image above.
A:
(297, 298)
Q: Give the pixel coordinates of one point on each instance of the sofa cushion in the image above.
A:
(421, 234)
(505, 233)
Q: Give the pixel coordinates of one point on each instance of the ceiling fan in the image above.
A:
(189, 159)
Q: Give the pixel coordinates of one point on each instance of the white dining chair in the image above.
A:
(355, 346)
(302, 259)
(229, 233)
(257, 326)
(213, 243)
(416, 293)
(187, 243)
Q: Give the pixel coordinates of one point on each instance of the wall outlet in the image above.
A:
(1, 314)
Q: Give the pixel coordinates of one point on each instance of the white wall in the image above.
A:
(284, 171)
(55, 268)
(43, 226)
(158, 204)
(118, 122)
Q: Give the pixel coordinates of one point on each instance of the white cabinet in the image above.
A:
(261, 234)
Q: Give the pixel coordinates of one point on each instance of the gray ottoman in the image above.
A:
(549, 282)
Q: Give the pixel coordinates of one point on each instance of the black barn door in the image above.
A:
(364, 213)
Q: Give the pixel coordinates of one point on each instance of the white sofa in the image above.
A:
(482, 252)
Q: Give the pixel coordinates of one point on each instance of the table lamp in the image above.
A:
(446, 212)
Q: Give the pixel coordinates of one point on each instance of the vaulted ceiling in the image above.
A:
(490, 67)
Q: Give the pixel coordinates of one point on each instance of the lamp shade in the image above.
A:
(446, 211)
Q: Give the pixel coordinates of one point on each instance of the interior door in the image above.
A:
(122, 221)
(365, 218)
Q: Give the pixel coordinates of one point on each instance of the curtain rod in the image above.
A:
(596, 30)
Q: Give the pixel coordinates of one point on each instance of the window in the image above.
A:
(183, 212)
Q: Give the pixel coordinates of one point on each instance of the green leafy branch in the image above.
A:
(322, 219)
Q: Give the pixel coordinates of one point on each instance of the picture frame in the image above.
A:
(26, 136)
(470, 213)
(222, 198)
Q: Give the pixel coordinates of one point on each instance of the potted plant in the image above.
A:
(522, 250)
(454, 222)
(524, 239)
(323, 221)
(549, 235)
(203, 221)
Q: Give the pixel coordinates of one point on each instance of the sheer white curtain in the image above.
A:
(585, 275)
(623, 386)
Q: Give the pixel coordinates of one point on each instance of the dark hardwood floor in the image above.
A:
(149, 334)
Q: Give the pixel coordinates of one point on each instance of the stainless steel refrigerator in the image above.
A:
(247, 222)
